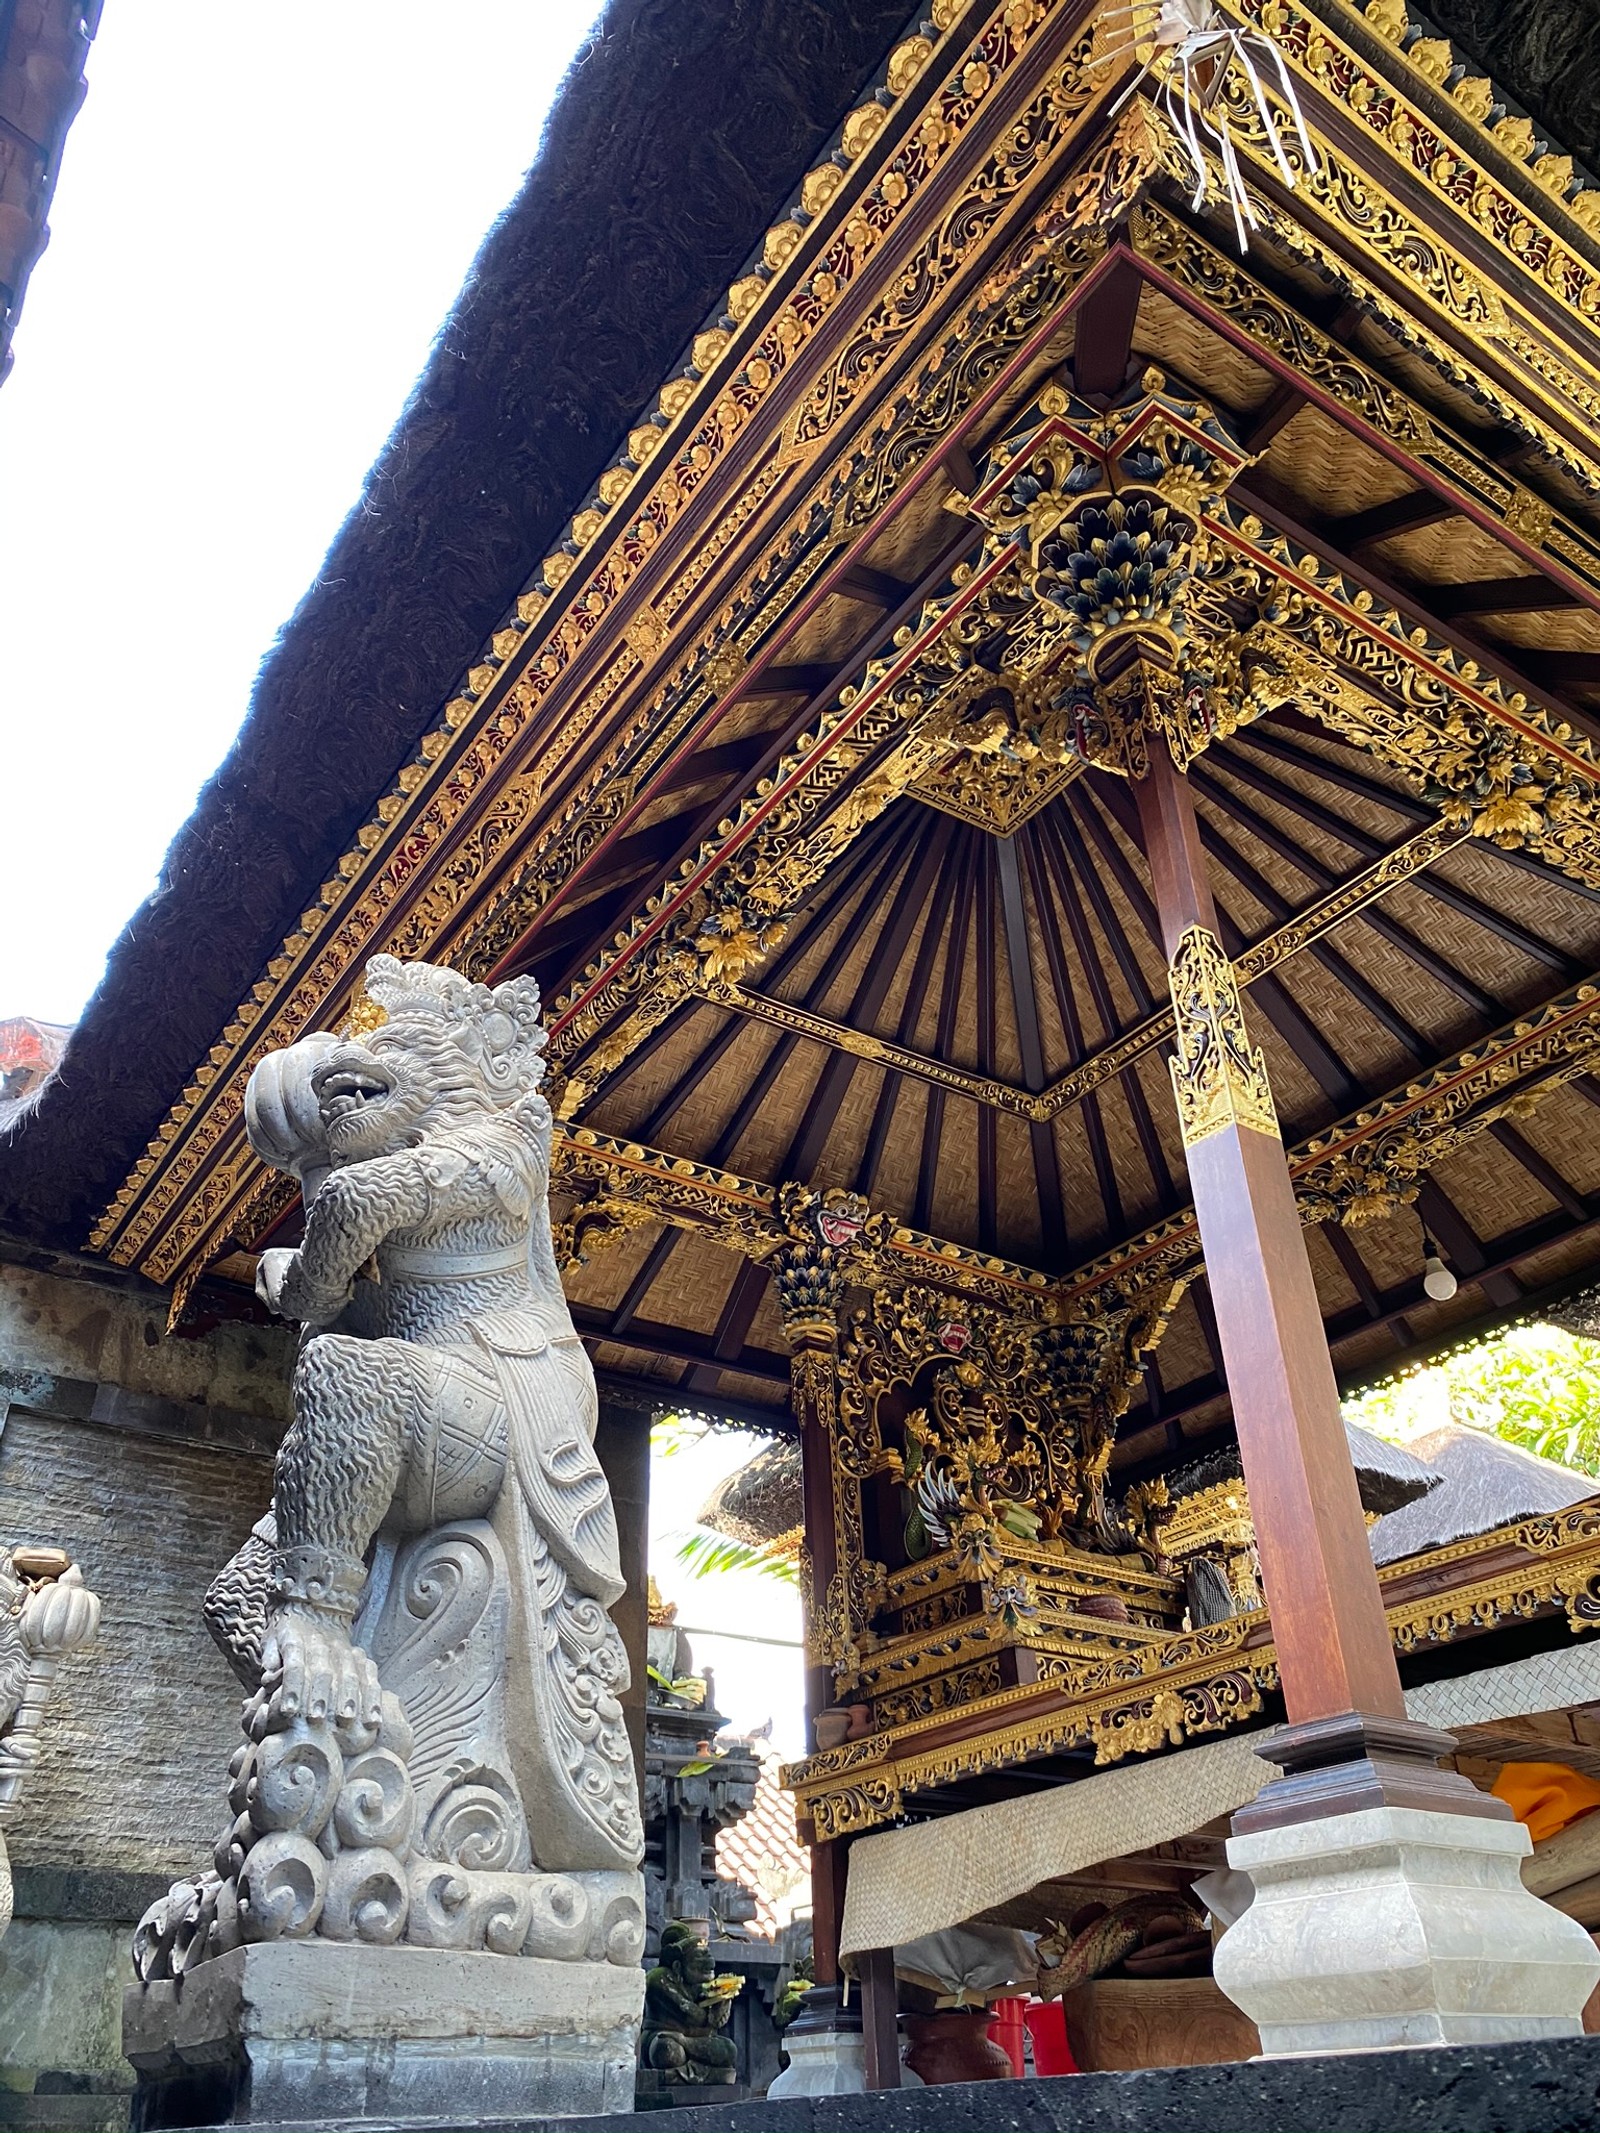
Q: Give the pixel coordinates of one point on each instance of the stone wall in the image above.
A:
(148, 1457)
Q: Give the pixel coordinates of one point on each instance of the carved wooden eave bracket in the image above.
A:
(1106, 512)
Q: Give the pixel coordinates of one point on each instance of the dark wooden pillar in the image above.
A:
(622, 1445)
(1327, 1615)
(1349, 1744)
(880, 2017)
(813, 1338)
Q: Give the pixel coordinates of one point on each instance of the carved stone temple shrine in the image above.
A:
(946, 803)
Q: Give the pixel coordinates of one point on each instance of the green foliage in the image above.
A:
(688, 1688)
(1535, 1386)
(672, 1434)
(706, 1554)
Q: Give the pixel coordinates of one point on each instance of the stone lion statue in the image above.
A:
(434, 1747)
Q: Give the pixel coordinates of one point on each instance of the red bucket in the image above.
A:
(1047, 2025)
(1006, 2029)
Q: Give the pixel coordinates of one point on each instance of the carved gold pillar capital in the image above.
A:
(811, 1272)
(1218, 1076)
(1107, 509)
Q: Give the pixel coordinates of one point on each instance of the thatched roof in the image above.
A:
(678, 132)
(1486, 1484)
(760, 1502)
(1544, 53)
(1387, 1476)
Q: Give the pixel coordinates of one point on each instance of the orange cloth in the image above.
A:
(1545, 1797)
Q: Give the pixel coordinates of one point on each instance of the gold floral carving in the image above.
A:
(187, 1193)
(1218, 1076)
(1180, 1687)
(1376, 403)
(1442, 279)
(1521, 237)
(1012, 756)
(1496, 766)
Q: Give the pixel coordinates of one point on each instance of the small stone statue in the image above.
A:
(434, 1751)
(686, 2008)
(46, 1611)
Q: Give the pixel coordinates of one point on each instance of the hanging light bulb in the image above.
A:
(1437, 1279)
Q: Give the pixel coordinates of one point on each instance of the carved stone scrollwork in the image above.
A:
(46, 1612)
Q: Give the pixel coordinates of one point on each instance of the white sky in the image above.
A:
(265, 210)
(754, 1681)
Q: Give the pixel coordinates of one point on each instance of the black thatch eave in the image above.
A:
(681, 131)
(1545, 53)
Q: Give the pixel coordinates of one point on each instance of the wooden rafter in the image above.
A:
(1276, 739)
(1030, 1038)
(1058, 858)
(1067, 1008)
(879, 854)
(986, 985)
(933, 935)
(955, 974)
(1257, 493)
(1459, 901)
(833, 1086)
(694, 825)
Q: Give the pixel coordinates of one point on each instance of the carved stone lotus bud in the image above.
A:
(58, 1617)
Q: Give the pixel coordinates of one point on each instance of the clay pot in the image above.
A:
(860, 1721)
(1103, 1606)
(956, 2046)
(831, 1727)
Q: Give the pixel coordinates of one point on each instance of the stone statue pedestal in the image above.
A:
(315, 2030)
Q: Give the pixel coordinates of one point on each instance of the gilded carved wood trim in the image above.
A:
(304, 982)
(1178, 1688)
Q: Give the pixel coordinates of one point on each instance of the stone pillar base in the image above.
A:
(827, 2051)
(1399, 1926)
(314, 2030)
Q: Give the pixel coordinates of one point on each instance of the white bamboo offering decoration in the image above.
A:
(1194, 52)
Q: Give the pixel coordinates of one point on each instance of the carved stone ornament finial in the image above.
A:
(434, 1751)
(46, 1611)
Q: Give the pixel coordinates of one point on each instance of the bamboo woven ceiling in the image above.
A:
(1017, 958)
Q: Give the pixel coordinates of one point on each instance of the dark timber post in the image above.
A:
(1341, 1688)
(622, 1446)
